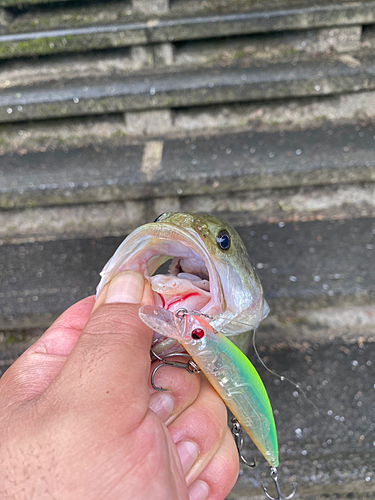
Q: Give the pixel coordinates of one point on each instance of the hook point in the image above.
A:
(280, 496)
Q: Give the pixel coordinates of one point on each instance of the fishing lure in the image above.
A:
(230, 373)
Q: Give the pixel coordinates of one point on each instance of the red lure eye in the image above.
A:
(197, 334)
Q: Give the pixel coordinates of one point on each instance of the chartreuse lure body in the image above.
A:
(228, 370)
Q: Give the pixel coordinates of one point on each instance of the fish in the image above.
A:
(209, 270)
(227, 369)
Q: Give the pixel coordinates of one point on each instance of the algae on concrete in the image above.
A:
(45, 45)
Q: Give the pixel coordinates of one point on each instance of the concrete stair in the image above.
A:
(260, 112)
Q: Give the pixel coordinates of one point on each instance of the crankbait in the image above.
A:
(230, 373)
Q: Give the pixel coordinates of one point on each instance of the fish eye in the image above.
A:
(223, 240)
(197, 334)
(159, 217)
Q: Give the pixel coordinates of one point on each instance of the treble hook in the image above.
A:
(238, 438)
(190, 366)
(273, 475)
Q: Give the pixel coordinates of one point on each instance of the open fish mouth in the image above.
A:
(192, 281)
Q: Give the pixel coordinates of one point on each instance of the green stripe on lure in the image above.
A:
(228, 370)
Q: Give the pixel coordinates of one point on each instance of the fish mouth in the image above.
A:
(192, 281)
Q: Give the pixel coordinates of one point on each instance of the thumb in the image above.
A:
(110, 364)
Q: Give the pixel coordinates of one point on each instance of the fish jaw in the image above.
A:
(149, 246)
(266, 309)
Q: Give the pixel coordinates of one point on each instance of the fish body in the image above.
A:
(228, 370)
(210, 270)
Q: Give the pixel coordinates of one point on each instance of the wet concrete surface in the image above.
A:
(314, 261)
(327, 433)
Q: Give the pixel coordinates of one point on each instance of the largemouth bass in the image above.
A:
(210, 270)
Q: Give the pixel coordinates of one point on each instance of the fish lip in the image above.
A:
(161, 232)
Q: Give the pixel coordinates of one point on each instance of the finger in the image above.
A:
(110, 364)
(220, 475)
(182, 389)
(148, 297)
(35, 369)
(199, 431)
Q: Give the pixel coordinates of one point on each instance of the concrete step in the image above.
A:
(303, 266)
(27, 3)
(285, 46)
(183, 89)
(96, 220)
(204, 165)
(136, 127)
(88, 27)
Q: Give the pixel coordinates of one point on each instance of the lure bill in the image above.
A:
(228, 370)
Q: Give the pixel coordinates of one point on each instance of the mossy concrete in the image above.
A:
(154, 8)
(283, 115)
(71, 16)
(33, 72)
(68, 42)
(86, 26)
(271, 46)
(5, 19)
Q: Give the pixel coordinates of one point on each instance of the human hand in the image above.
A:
(79, 419)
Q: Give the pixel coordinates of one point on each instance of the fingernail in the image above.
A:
(188, 452)
(126, 287)
(198, 490)
(162, 404)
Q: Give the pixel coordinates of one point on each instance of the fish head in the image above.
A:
(210, 269)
